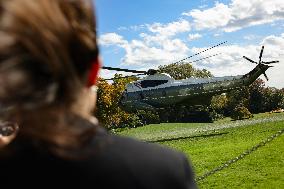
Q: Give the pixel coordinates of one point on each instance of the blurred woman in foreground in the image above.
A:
(48, 67)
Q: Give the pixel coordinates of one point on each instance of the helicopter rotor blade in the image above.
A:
(265, 76)
(124, 70)
(271, 62)
(122, 77)
(200, 52)
(250, 60)
(260, 55)
(205, 57)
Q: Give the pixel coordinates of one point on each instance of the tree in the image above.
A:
(108, 110)
(238, 98)
(148, 117)
(219, 103)
(256, 99)
(248, 97)
(274, 98)
(183, 71)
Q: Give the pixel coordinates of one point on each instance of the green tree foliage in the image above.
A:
(148, 117)
(183, 71)
(238, 98)
(264, 99)
(219, 102)
(273, 99)
(108, 110)
(256, 98)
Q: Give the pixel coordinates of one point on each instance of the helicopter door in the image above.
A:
(141, 95)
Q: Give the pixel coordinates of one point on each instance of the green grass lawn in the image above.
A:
(209, 145)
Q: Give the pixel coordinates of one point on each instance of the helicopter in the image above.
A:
(160, 90)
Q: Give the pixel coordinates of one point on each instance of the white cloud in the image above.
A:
(150, 54)
(274, 48)
(164, 42)
(238, 14)
(151, 50)
(170, 29)
(106, 74)
(194, 36)
(132, 28)
(137, 27)
(230, 62)
(211, 18)
(112, 39)
(159, 46)
(274, 42)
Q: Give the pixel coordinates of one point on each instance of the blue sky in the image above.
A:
(148, 33)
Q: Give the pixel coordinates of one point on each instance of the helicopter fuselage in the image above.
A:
(160, 90)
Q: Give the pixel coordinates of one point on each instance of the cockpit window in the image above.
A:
(152, 83)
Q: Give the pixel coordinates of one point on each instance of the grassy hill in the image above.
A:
(209, 145)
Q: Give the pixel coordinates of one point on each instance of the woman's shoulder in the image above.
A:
(147, 164)
(107, 144)
(134, 149)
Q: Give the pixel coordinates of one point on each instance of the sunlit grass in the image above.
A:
(163, 131)
(210, 145)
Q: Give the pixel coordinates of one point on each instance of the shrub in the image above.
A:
(131, 122)
(148, 117)
(241, 112)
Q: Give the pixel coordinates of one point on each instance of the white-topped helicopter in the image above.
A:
(158, 90)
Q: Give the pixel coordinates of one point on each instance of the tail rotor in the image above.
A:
(260, 62)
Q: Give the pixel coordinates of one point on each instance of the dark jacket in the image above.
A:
(113, 162)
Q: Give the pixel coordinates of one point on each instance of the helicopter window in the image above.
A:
(152, 83)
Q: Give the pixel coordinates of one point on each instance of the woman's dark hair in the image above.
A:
(46, 50)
